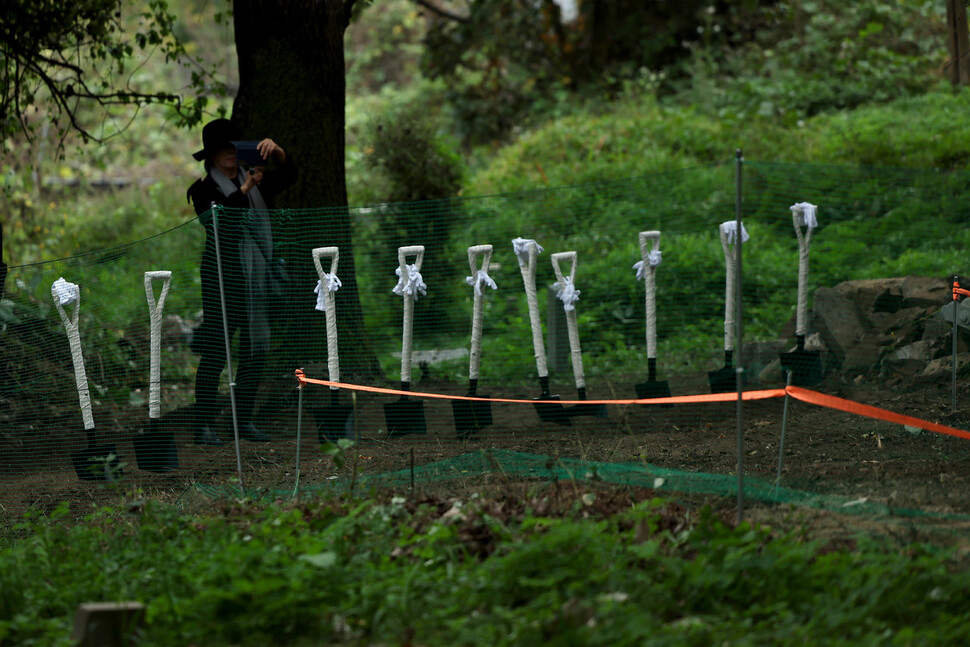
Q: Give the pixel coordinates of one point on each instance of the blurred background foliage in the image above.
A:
(450, 99)
(467, 97)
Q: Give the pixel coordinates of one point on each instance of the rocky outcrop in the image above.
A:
(895, 326)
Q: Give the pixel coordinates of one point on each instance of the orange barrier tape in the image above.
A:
(804, 395)
(849, 406)
(683, 399)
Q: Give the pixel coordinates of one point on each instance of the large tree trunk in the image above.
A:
(3, 266)
(958, 43)
(292, 89)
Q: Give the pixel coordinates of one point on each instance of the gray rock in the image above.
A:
(862, 356)
(963, 313)
(838, 322)
(759, 354)
(924, 291)
(922, 351)
(873, 295)
(815, 342)
(911, 359)
(771, 373)
(943, 366)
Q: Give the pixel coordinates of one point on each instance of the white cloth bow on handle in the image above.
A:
(521, 248)
(333, 284)
(730, 229)
(67, 293)
(413, 285)
(478, 280)
(653, 257)
(808, 217)
(567, 293)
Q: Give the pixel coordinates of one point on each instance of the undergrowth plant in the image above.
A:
(463, 571)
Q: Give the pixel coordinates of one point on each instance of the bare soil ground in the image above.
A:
(826, 452)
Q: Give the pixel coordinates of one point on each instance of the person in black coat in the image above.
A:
(246, 256)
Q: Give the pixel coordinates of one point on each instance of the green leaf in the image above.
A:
(321, 560)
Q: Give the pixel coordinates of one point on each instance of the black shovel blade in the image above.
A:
(92, 464)
(405, 417)
(155, 449)
(723, 380)
(596, 410)
(653, 389)
(471, 416)
(551, 411)
(334, 422)
(805, 366)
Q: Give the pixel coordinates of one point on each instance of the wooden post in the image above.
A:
(108, 624)
(958, 44)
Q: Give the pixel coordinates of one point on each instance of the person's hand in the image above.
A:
(253, 177)
(268, 148)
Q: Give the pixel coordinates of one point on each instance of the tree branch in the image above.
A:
(441, 12)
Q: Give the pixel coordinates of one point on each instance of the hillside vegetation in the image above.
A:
(830, 82)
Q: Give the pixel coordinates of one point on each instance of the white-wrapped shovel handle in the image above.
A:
(327, 286)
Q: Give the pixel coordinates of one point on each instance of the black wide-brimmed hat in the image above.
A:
(216, 136)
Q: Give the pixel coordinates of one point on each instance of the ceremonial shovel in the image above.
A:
(471, 416)
(547, 411)
(94, 462)
(652, 388)
(724, 379)
(155, 450)
(566, 286)
(805, 365)
(407, 416)
(335, 421)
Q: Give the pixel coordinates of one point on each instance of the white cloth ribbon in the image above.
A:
(480, 278)
(567, 293)
(413, 285)
(67, 293)
(333, 284)
(730, 229)
(808, 218)
(521, 248)
(653, 258)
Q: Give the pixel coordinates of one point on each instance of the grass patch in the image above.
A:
(583, 567)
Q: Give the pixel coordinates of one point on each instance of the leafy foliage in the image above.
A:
(510, 64)
(462, 572)
(812, 57)
(412, 163)
(58, 59)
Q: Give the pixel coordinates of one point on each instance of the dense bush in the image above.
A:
(411, 163)
(811, 57)
(379, 572)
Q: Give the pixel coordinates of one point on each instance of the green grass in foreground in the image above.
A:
(484, 572)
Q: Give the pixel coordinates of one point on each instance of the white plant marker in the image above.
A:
(155, 309)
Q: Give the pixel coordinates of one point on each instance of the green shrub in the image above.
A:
(818, 56)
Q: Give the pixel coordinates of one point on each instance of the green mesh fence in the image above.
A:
(500, 465)
(873, 224)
